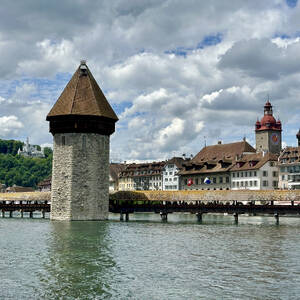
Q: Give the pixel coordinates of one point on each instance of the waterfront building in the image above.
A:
(170, 176)
(114, 171)
(30, 150)
(45, 185)
(142, 176)
(257, 171)
(289, 167)
(19, 189)
(210, 168)
(268, 132)
(81, 122)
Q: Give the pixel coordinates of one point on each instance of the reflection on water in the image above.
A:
(79, 261)
(148, 259)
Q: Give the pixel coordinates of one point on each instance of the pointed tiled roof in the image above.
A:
(82, 96)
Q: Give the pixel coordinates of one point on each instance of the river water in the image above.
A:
(148, 259)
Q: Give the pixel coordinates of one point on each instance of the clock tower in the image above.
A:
(268, 132)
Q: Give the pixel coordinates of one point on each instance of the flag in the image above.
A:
(207, 180)
(190, 182)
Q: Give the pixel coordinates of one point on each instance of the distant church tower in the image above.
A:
(81, 122)
(268, 132)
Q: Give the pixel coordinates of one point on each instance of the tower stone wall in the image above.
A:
(269, 141)
(80, 184)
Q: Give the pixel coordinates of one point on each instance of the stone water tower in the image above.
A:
(81, 122)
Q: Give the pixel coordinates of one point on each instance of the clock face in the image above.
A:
(275, 138)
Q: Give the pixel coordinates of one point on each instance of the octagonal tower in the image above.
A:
(81, 122)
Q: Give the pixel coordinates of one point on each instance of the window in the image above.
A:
(255, 182)
(237, 174)
(242, 174)
(275, 184)
(237, 184)
(196, 181)
(275, 174)
(63, 140)
(175, 178)
(227, 179)
(233, 184)
(221, 179)
(185, 181)
(282, 177)
(166, 179)
(271, 164)
(170, 173)
(246, 183)
(242, 183)
(250, 182)
(214, 180)
(233, 175)
(246, 174)
(265, 183)
(265, 173)
(254, 173)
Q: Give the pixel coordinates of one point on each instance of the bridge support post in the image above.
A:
(164, 216)
(276, 215)
(236, 218)
(11, 214)
(292, 202)
(31, 214)
(121, 216)
(3, 213)
(22, 213)
(127, 217)
(199, 217)
(43, 214)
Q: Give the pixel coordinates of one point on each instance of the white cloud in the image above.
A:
(10, 125)
(166, 102)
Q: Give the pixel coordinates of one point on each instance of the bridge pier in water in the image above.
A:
(164, 216)
(276, 215)
(199, 217)
(236, 218)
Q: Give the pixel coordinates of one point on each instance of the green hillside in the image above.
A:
(19, 170)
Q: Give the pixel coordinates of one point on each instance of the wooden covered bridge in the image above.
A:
(276, 202)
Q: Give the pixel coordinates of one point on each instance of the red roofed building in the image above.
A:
(268, 132)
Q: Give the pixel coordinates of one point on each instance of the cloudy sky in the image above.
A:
(176, 72)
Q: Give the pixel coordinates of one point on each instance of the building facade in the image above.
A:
(210, 168)
(257, 171)
(143, 176)
(170, 176)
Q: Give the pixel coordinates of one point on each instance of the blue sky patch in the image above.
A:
(291, 3)
(210, 40)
